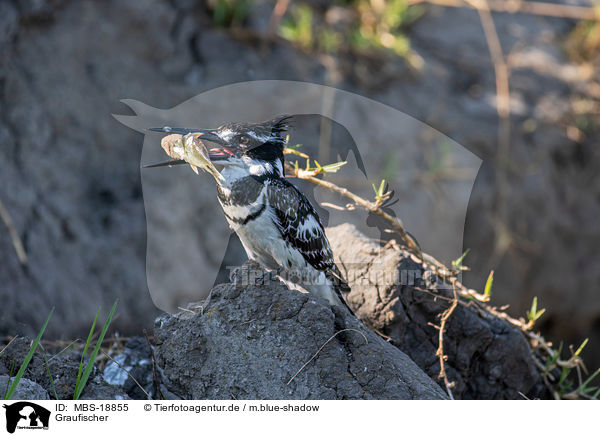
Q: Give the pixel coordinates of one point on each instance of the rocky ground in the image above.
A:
(253, 338)
(69, 173)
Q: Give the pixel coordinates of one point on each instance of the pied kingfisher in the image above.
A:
(277, 225)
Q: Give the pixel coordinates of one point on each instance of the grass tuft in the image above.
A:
(84, 374)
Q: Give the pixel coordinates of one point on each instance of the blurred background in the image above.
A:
(515, 83)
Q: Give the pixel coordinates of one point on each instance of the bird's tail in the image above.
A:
(340, 287)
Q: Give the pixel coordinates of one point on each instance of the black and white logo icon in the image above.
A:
(26, 415)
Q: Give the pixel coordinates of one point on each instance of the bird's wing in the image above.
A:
(299, 223)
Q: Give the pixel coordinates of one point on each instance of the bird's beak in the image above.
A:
(168, 163)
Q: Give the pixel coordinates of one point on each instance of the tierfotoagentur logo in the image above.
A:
(26, 415)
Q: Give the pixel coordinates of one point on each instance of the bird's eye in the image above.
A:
(244, 140)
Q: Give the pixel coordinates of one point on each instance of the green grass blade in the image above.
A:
(50, 377)
(90, 365)
(10, 373)
(85, 348)
(487, 291)
(15, 383)
(589, 379)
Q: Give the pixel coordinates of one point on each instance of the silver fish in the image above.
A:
(192, 150)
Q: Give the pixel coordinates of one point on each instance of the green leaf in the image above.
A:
(563, 375)
(90, 365)
(374, 189)
(458, 263)
(17, 379)
(589, 379)
(334, 167)
(85, 348)
(487, 291)
(533, 314)
(381, 188)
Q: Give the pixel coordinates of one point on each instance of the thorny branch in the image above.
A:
(370, 206)
(440, 351)
(473, 298)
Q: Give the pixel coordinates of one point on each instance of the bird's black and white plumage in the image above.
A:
(277, 225)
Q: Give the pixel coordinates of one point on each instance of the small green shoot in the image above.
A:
(458, 263)
(553, 359)
(83, 377)
(334, 167)
(583, 387)
(318, 169)
(581, 347)
(13, 387)
(379, 191)
(85, 348)
(534, 314)
(487, 291)
(564, 385)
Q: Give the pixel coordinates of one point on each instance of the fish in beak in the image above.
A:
(187, 146)
(216, 154)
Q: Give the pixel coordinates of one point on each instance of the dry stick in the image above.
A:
(323, 346)
(6, 346)
(526, 7)
(63, 350)
(440, 351)
(128, 373)
(368, 205)
(14, 234)
(439, 269)
(501, 73)
(155, 377)
(503, 107)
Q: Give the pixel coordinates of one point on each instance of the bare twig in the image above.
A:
(440, 351)
(323, 346)
(6, 346)
(128, 373)
(526, 7)
(155, 375)
(64, 349)
(14, 234)
(372, 207)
